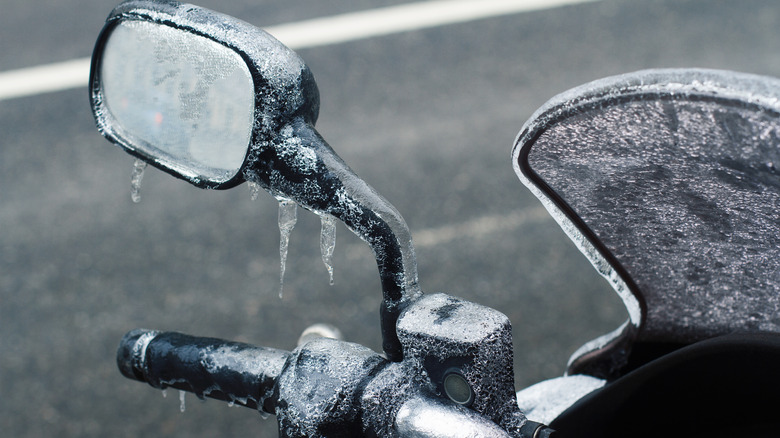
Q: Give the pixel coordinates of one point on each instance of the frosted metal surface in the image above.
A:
(181, 96)
(676, 175)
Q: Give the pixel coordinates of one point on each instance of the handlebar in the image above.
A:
(229, 371)
(321, 384)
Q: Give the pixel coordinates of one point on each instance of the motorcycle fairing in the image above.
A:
(667, 181)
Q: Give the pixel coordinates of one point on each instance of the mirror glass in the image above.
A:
(178, 97)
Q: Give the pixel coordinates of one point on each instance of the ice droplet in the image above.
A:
(254, 190)
(182, 406)
(328, 242)
(288, 216)
(264, 415)
(165, 393)
(135, 180)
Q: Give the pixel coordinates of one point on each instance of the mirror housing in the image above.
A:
(177, 76)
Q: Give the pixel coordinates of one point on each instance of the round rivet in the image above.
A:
(457, 389)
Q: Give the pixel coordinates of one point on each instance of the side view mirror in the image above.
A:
(191, 91)
(216, 101)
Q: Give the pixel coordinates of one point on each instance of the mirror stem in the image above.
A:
(299, 165)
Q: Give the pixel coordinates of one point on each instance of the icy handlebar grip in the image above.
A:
(234, 372)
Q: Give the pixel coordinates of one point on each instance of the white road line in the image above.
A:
(479, 227)
(402, 18)
(303, 34)
(44, 78)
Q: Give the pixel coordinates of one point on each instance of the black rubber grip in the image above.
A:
(230, 371)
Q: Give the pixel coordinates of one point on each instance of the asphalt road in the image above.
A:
(426, 117)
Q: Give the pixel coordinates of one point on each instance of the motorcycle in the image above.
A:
(665, 179)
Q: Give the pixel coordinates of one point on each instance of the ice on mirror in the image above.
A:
(182, 98)
(139, 166)
(288, 216)
(328, 242)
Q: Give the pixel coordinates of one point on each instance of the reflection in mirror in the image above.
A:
(179, 97)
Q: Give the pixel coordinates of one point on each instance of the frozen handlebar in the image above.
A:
(230, 371)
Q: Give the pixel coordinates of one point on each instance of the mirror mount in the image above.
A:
(299, 165)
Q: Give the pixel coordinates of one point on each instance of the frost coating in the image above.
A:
(280, 86)
(320, 386)
(327, 387)
(229, 371)
(335, 388)
(286, 156)
(672, 171)
(586, 247)
(299, 165)
(444, 334)
(450, 319)
(179, 96)
(597, 260)
(689, 212)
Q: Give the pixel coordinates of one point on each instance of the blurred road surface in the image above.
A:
(427, 117)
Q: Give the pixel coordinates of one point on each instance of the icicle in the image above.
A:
(135, 180)
(181, 401)
(288, 216)
(254, 190)
(328, 242)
